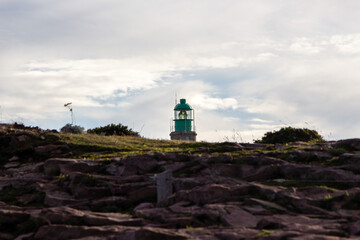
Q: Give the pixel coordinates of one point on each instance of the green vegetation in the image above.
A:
(112, 129)
(328, 197)
(63, 177)
(289, 134)
(189, 227)
(68, 128)
(25, 143)
(264, 233)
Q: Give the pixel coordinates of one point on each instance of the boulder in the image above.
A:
(190, 182)
(150, 233)
(59, 232)
(144, 205)
(225, 158)
(80, 191)
(158, 215)
(11, 216)
(205, 194)
(52, 149)
(63, 215)
(232, 215)
(148, 193)
(13, 159)
(354, 228)
(259, 160)
(139, 164)
(264, 173)
(54, 166)
(110, 201)
(58, 198)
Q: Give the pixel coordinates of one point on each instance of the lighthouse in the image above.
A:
(184, 122)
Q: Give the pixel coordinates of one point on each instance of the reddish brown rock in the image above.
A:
(143, 205)
(11, 216)
(237, 195)
(54, 166)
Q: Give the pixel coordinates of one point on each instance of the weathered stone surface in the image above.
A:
(55, 166)
(245, 194)
(12, 165)
(112, 200)
(12, 216)
(13, 159)
(143, 205)
(232, 215)
(134, 165)
(54, 232)
(52, 150)
(189, 183)
(355, 228)
(143, 194)
(57, 198)
(164, 185)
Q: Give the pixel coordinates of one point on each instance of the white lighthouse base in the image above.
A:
(183, 135)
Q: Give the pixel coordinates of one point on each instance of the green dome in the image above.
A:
(182, 105)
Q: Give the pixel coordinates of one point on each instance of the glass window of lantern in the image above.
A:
(183, 114)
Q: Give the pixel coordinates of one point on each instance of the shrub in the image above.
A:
(289, 134)
(68, 128)
(113, 129)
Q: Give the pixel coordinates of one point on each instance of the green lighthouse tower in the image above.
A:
(184, 121)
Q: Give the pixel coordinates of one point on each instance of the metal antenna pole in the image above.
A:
(72, 116)
(69, 105)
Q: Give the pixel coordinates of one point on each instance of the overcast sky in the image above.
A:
(245, 66)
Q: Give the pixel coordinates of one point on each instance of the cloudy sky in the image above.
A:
(245, 66)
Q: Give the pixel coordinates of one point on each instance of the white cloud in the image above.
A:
(305, 46)
(211, 103)
(241, 67)
(349, 43)
(260, 120)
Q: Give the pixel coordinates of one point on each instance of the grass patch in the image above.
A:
(264, 233)
(62, 178)
(328, 197)
(189, 227)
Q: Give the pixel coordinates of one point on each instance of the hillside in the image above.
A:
(68, 186)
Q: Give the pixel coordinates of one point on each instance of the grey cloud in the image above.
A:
(276, 59)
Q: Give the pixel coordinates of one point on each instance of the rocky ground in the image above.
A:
(240, 191)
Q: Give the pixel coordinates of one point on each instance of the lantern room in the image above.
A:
(184, 128)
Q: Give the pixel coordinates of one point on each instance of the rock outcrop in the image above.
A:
(297, 191)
